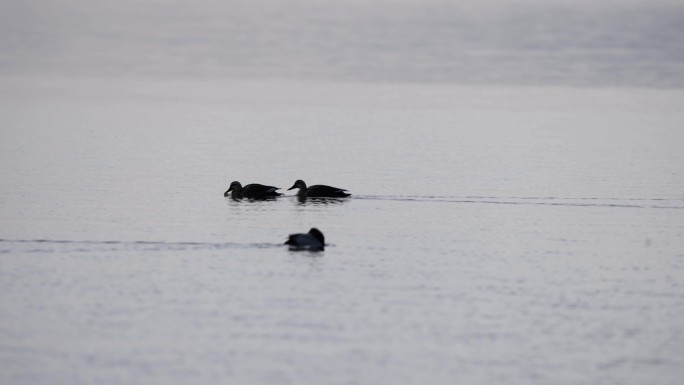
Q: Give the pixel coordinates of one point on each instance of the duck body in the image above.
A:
(311, 241)
(251, 191)
(318, 191)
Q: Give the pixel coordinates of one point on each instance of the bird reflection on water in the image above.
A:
(320, 201)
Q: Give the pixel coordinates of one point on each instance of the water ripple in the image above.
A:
(145, 245)
(641, 203)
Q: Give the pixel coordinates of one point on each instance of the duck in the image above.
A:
(318, 191)
(251, 191)
(311, 241)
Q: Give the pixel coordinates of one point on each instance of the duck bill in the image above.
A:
(293, 187)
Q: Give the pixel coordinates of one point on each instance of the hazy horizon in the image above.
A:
(609, 44)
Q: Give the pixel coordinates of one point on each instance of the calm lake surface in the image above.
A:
(517, 174)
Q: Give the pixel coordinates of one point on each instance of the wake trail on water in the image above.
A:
(49, 245)
(639, 203)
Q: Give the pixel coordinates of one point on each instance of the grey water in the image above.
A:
(517, 171)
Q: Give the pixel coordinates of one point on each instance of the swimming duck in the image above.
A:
(251, 191)
(312, 241)
(318, 191)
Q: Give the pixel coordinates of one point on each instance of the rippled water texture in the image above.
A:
(506, 226)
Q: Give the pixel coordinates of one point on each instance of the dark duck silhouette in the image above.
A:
(311, 241)
(318, 191)
(251, 191)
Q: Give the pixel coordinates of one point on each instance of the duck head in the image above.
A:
(235, 187)
(314, 232)
(298, 184)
